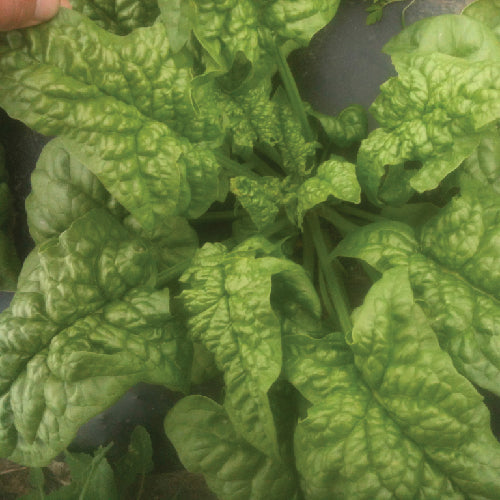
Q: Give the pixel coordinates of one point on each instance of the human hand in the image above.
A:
(16, 14)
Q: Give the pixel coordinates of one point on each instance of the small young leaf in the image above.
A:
(260, 198)
(178, 16)
(92, 478)
(347, 128)
(137, 461)
(335, 177)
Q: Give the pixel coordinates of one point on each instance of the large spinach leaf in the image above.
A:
(86, 324)
(453, 269)
(227, 301)
(122, 120)
(435, 113)
(390, 416)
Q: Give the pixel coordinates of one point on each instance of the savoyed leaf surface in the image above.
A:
(435, 113)
(63, 189)
(85, 325)
(454, 271)
(227, 300)
(122, 104)
(391, 417)
(119, 16)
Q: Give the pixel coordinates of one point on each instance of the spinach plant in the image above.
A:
(170, 116)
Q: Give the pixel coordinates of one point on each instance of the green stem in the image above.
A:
(333, 282)
(360, 213)
(344, 225)
(267, 151)
(263, 168)
(165, 277)
(293, 93)
(403, 14)
(308, 256)
(233, 168)
(275, 227)
(327, 302)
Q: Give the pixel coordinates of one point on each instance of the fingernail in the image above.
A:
(46, 9)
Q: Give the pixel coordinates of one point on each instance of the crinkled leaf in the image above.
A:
(487, 12)
(227, 300)
(260, 198)
(297, 306)
(172, 242)
(208, 443)
(383, 245)
(455, 273)
(296, 152)
(85, 325)
(63, 190)
(335, 177)
(454, 35)
(248, 116)
(236, 26)
(484, 164)
(435, 114)
(101, 92)
(398, 421)
(119, 16)
(347, 128)
(9, 262)
(457, 277)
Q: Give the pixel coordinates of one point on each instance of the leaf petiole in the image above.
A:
(344, 225)
(333, 283)
(293, 93)
(165, 277)
(233, 168)
(360, 213)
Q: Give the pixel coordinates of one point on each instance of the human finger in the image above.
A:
(22, 13)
